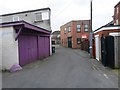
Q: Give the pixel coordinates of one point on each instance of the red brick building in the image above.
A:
(116, 16)
(74, 33)
(55, 37)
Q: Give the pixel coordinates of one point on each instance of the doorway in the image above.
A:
(69, 42)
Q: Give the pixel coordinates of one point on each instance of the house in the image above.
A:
(106, 41)
(56, 37)
(25, 37)
(116, 16)
(38, 17)
(75, 33)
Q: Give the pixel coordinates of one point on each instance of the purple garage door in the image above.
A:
(32, 48)
(47, 46)
(41, 47)
(27, 49)
(44, 47)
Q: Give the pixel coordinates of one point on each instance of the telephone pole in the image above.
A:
(91, 33)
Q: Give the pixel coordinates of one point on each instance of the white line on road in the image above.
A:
(105, 76)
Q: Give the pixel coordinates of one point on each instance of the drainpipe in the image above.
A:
(18, 33)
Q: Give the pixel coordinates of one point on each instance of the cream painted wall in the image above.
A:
(9, 48)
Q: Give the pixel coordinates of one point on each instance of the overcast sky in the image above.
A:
(63, 11)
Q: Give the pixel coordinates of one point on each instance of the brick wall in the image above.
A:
(73, 33)
(117, 14)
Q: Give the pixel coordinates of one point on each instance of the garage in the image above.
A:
(24, 43)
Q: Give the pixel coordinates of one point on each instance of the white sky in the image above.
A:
(63, 11)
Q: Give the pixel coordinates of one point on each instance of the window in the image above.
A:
(117, 10)
(53, 42)
(16, 18)
(78, 28)
(78, 40)
(0, 19)
(38, 16)
(86, 28)
(69, 29)
(117, 22)
(45, 16)
(65, 31)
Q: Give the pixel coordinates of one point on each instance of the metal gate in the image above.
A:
(85, 45)
(107, 51)
(110, 51)
(103, 51)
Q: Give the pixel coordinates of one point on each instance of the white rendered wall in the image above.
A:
(0, 49)
(9, 48)
(97, 45)
(50, 45)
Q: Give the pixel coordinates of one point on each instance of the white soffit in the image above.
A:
(115, 34)
(107, 28)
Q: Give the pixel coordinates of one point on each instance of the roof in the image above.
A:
(75, 21)
(115, 27)
(107, 25)
(26, 25)
(56, 32)
(26, 11)
(117, 4)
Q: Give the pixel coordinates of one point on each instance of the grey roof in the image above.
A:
(117, 4)
(26, 11)
(107, 25)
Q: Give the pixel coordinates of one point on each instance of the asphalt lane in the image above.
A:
(67, 68)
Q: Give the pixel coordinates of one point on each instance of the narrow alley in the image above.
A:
(66, 68)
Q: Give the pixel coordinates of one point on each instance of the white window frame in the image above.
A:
(45, 16)
(78, 40)
(117, 22)
(36, 16)
(86, 28)
(16, 18)
(65, 31)
(78, 28)
(69, 29)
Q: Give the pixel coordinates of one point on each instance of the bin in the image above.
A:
(53, 49)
